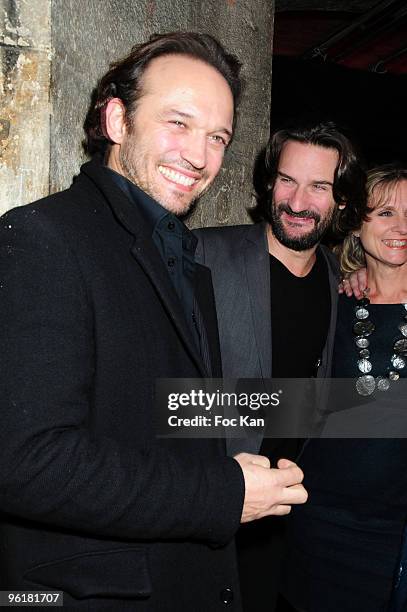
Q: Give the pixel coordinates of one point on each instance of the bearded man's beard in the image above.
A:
(301, 242)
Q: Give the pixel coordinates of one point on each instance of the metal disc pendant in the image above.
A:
(364, 353)
(362, 313)
(400, 347)
(362, 343)
(403, 329)
(363, 328)
(365, 366)
(397, 362)
(394, 375)
(382, 383)
(365, 385)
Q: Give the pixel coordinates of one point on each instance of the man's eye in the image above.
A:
(219, 140)
(285, 179)
(178, 123)
(320, 187)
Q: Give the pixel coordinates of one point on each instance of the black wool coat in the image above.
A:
(92, 502)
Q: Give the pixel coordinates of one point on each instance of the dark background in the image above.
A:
(348, 62)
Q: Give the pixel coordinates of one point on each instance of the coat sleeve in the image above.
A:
(53, 468)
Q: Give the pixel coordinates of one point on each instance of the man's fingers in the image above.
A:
(362, 279)
(354, 284)
(268, 490)
(289, 476)
(285, 463)
(346, 287)
(296, 494)
(261, 460)
(291, 494)
(355, 287)
(246, 458)
(282, 510)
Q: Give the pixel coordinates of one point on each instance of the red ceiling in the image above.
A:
(379, 44)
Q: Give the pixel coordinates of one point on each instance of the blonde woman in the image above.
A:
(344, 544)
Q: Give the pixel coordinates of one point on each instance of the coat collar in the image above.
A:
(143, 250)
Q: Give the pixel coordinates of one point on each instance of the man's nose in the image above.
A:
(194, 150)
(298, 199)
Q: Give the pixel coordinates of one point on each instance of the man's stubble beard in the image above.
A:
(302, 242)
(127, 158)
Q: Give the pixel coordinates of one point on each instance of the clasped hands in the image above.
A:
(269, 491)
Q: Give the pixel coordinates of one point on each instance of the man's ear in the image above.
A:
(114, 120)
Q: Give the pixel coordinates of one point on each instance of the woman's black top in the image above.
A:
(343, 545)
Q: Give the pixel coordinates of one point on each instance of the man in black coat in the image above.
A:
(100, 296)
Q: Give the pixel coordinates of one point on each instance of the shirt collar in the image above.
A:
(155, 215)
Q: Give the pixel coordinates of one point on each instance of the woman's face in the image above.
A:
(384, 234)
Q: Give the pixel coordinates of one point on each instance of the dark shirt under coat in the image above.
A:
(174, 241)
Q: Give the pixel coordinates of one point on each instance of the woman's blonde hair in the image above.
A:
(380, 183)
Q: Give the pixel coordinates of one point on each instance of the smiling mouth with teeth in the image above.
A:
(395, 244)
(177, 177)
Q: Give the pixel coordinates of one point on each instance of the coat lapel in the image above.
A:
(145, 253)
(257, 269)
(205, 312)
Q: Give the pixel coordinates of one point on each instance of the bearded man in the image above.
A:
(276, 292)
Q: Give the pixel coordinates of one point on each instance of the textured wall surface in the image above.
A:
(53, 51)
(24, 93)
(86, 36)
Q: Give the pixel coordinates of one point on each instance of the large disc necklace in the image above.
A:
(363, 328)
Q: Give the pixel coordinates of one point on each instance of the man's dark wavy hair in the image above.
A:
(124, 78)
(349, 178)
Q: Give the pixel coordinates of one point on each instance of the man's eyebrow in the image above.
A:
(174, 111)
(184, 115)
(225, 131)
(317, 182)
(314, 182)
(284, 175)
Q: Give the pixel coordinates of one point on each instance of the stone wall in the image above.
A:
(50, 66)
(25, 59)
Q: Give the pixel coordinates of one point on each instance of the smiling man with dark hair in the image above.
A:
(101, 295)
